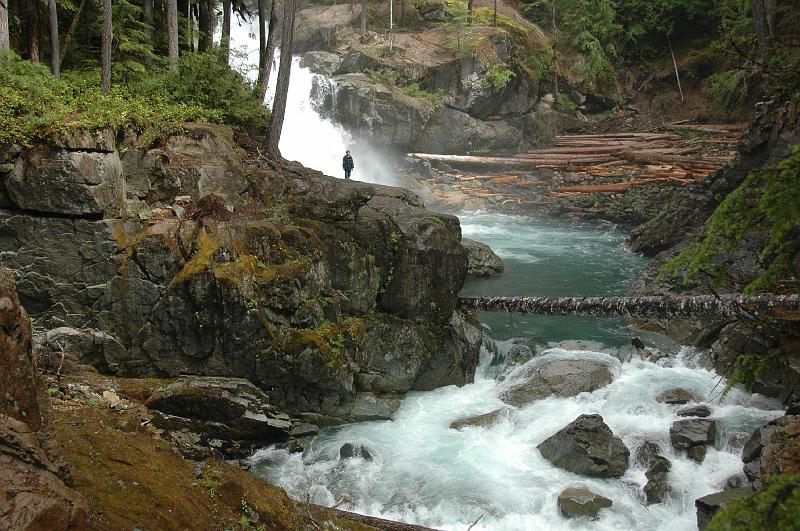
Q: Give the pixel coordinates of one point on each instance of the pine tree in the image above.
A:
(282, 86)
(172, 33)
(105, 57)
(5, 42)
(55, 56)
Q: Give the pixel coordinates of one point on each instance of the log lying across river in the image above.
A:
(778, 307)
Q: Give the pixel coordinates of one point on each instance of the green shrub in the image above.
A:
(499, 77)
(34, 107)
(414, 90)
(381, 74)
(542, 61)
(776, 508)
(728, 89)
(203, 80)
(565, 103)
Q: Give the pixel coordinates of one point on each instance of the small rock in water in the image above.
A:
(646, 453)
(657, 486)
(349, 450)
(694, 411)
(636, 342)
(697, 453)
(676, 396)
(692, 432)
(580, 502)
(481, 421)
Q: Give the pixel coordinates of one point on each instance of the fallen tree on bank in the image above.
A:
(777, 307)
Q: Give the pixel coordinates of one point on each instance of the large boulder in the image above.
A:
(481, 260)
(452, 131)
(71, 183)
(200, 160)
(676, 396)
(685, 434)
(709, 505)
(587, 446)
(558, 377)
(33, 494)
(580, 502)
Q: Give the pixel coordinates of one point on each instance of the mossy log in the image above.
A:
(778, 307)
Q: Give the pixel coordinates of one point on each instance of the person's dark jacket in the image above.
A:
(347, 163)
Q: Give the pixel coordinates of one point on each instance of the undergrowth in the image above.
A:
(776, 508)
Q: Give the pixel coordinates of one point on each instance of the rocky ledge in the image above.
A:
(195, 257)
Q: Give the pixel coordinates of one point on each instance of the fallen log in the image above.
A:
(778, 307)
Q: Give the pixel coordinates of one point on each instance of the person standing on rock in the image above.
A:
(347, 164)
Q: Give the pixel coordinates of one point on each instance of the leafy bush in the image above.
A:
(565, 103)
(499, 77)
(728, 89)
(203, 80)
(34, 107)
(542, 61)
(415, 91)
(777, 508)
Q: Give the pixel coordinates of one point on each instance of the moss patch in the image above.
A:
(200, 259)
(777, 508)
(331, 339)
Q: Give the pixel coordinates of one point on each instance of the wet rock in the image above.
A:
(558, 378)
(708, 506)
(587, 446)
(451, 131)
(302, 429)
(677, 396)
(646, 452)
(482, 421)
(73, 183)
(481, 260)
(232, 409)
(694, 411)
(33, 493)
(737, 481)
(697, 453)
(580, 502)
(657, 487)
(349, 451)
(772, 449)
(692, 432)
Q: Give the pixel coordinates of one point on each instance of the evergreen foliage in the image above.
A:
(776, 508)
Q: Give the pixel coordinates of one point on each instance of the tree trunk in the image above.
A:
(471, 8)
(272, 35)
(5, 37)
(33, 31)
(205, 27)
(781, 307)
(494, 16)
(148, 30)
(264, 11)
(71, 31)
(391, 24)
(282, 86)
(363, 17)
(105, 57)
(225, 41)
(55, 56)
(172, 33)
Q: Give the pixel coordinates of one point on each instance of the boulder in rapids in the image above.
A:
(580, 502)
(587, 446)
(646, 453)
(692, 432)
(558, 377)
(481, 260)
(694, 411)
(350, 450)
(677, 396)
(657, 487)
(482, 421)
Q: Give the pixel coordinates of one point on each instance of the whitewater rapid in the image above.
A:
(426, 473)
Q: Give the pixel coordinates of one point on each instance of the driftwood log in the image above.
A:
(778, 307)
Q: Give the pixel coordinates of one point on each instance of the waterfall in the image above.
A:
(307, 137)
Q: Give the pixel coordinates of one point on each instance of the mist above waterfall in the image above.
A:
(308, 137)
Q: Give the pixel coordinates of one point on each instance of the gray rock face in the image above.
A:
(482, 421)
(580, 502)
(481, 260)
(657, 474)
(560, 378)
(771, 449)
(322, 27)
(453, 131)
(676, 396)
(232, 409)
(692, 432)
(201, 160)
(708, 506)
(73, 183)
(587, 446)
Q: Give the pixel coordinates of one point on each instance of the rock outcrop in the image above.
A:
(332, 297)
(587, 446)
(568, 377)
(33, 492)
(772, 450)
(708, 506)
(481, 260)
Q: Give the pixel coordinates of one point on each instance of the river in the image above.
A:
(424, 472)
